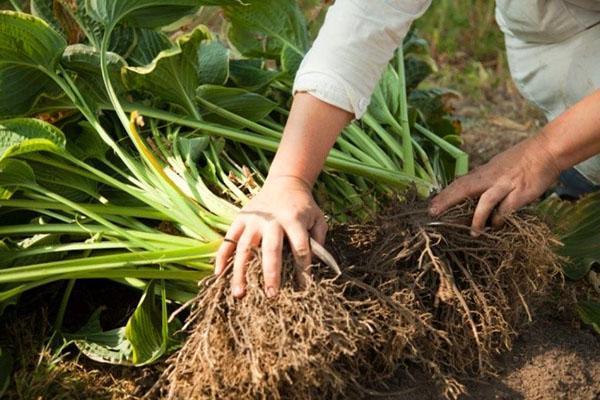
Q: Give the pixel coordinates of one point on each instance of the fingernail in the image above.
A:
(217, 271)
(271, 292)
(433, 211)
(238, 291)
(474, 233)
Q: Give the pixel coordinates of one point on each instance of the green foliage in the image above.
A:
(29, 47)
(174, 74)
(147, 329)
(576, 224)
(21, 135)
(151, 136)
(280, 38)
(589, 311)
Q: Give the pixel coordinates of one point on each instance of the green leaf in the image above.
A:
(589, 311)
(110, 346)
(65, 17)
(22, 90)
(385, 101)
(6, 366)
(576, 224)
(39, 240)
(30, 50)
(245, 104)
(44, 9)
(15, 173)
(146, 331)
(173, 75)
(268, 28)
(413, 43)
(213, 62)
(26, 135)
(146, 13)
(86, 143)
(71, 185)
(29, 41)
(249, 74)
(150, 43)
(417, 68)
(84, 61)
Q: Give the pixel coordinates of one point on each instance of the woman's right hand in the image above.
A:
(283, 208)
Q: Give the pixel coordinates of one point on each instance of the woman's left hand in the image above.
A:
(509, 181)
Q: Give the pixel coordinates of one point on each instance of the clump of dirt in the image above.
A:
(414, 290)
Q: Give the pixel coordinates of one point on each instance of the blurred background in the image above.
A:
(468, 48)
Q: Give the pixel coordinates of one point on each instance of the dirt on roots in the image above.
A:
(414, 290)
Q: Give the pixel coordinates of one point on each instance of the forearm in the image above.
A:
(311, 130)
(575, 135)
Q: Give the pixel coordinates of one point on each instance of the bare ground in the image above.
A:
(555, 357)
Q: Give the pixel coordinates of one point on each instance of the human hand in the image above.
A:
(284, 207)
(509, 181)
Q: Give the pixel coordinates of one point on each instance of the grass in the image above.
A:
(53, 373)
(467, 44)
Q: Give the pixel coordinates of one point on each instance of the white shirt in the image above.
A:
(359, 38)
(353, 47)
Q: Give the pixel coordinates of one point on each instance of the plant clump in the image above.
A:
(415, 290)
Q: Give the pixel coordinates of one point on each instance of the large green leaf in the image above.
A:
(15, 173)
(418, 68)
(26, 135)
(173, 75)
(68, 184)
(590, 313)
(149, 44)
(269, 28)
(22, 90)
(576, 224)
(29, 49)
(86, 143)
(146, 13)
(147, 329)
(249, 74)
(213, 62)
(84, 61)
(241, 102)
(110, 346)
(29, 41)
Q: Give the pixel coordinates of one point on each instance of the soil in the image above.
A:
(556, 357)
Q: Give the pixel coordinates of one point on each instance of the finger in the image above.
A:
(299, 242)
(228, 246)
(486, 204)
(243, 255)
(271, 247)
(469, 186)
(319, 229)
(509, 205)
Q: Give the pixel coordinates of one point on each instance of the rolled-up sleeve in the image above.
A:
(352, 49)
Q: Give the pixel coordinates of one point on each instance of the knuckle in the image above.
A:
(302, 252)
(272, 247)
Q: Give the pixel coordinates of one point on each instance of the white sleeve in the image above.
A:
(353, 47)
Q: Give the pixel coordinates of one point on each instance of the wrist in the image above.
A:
(552, 154)
(275, 177)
